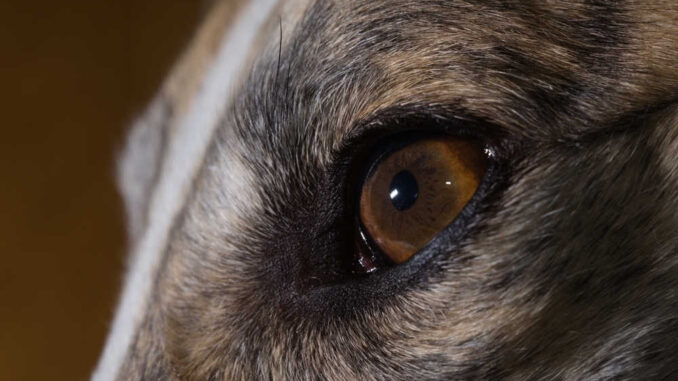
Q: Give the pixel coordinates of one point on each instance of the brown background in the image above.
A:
(72, 76)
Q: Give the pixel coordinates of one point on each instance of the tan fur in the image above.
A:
(186, 77)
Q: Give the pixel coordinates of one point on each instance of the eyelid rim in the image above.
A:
(374, 138)
(355, 292)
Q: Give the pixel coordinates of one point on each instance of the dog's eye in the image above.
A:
(412, 193)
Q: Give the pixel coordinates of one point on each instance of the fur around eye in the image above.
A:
(410, 194)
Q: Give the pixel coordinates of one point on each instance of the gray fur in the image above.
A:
(570, 272)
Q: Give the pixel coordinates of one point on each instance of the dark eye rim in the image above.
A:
(390, 130)
(356, 292)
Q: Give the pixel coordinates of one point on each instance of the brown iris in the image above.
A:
(416, 191)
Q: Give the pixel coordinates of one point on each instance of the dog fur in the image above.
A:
(567, 270)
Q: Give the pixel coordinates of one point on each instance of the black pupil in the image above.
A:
(403, 190)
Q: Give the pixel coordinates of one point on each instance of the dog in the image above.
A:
(262, 243)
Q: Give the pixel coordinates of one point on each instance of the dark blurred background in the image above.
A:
(73, 75)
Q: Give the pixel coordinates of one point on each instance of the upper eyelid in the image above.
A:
(423, 119)
(455, 115)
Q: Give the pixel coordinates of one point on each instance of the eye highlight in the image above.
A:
(414, 192)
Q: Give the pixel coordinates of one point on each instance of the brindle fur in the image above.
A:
(568, 271)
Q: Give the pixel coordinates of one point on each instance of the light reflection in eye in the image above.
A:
(393, 194)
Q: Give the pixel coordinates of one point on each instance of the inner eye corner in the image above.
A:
(412, 187)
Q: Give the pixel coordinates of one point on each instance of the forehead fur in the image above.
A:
(569, 270)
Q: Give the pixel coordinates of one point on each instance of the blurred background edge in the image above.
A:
(74, 74)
